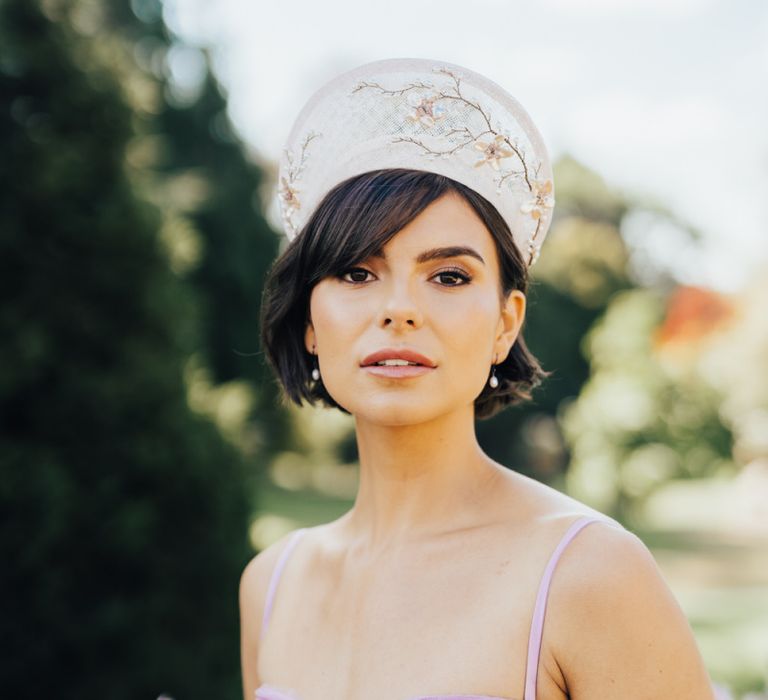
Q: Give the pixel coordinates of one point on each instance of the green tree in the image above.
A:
(123, 512)
(187, 158)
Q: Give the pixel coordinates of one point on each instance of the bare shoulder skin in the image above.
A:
(613, 628)
(618, 633)
(254, 582)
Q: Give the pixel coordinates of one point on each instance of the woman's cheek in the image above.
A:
(331, 311)
(471, 310)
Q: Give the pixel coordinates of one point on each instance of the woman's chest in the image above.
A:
(409, 627)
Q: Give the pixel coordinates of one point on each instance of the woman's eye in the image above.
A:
(452, 273)
(353, 271)
(460, 274)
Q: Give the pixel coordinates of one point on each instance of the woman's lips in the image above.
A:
(395, 371)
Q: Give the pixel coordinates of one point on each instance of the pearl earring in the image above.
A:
(494, 380)
(316, 370)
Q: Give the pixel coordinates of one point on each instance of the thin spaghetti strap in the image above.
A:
(537, 624)
(276, 573)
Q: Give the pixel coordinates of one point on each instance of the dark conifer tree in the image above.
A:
(122, 514)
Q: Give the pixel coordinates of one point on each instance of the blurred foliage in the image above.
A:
(124, 513)
(734, 360)
(237, 245)
(582, 193)
(678, 390)
(187, 158)
(636, 425)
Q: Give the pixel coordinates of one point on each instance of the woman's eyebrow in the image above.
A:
(453, 251)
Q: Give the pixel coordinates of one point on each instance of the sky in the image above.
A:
(666, 99)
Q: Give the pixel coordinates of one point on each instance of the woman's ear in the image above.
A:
(309, 337)
(510, 323)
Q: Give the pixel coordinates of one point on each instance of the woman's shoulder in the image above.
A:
(254, 579)
(612, 612)
(600, 556)
(254, 584)
(264, 560)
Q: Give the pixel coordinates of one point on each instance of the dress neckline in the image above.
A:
(276, 693)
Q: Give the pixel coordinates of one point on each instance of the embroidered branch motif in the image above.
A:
(288, 191)
(494, 144)
(542, 199)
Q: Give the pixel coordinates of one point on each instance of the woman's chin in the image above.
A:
(393, 411)
(402, 409)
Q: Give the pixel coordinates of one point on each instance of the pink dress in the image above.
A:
(269, 692)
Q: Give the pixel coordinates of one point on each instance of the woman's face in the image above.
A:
(447, 309)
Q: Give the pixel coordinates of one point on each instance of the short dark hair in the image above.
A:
(351, 223)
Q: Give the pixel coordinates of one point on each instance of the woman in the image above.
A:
(416, 195)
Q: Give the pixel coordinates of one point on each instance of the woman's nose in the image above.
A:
(400, 307)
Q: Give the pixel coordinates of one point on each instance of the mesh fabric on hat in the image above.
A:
(425, 115)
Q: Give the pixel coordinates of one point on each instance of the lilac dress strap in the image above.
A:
(276, 573)
(537, 624)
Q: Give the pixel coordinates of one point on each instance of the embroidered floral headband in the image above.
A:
(424, 115)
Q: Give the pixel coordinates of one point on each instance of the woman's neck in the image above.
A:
(419, 480)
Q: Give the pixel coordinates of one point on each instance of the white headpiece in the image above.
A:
(425, 115)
